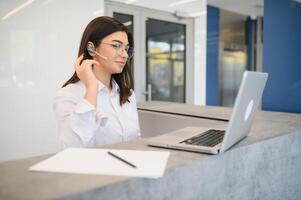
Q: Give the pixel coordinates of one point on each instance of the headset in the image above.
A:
(92, 51)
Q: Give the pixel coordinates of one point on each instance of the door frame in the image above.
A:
(140, 15)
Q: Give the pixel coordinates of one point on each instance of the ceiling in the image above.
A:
(251, 8)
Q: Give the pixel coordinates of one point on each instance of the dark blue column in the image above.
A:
(282, 55)
(249, 42)
(212, 81)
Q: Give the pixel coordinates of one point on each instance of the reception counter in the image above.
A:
(265, 165)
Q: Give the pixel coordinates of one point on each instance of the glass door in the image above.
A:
(233, 64)
(161, 49)
(165, 60)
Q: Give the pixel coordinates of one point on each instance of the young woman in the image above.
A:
(97, 105)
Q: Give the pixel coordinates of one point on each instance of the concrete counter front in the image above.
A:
(265, 165)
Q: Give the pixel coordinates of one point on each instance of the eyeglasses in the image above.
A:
(120, 48)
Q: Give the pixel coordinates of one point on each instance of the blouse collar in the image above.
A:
(115, 87)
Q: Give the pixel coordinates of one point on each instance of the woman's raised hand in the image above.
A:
(84, 71)
(85, 74)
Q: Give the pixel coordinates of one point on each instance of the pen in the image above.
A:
(121, 159)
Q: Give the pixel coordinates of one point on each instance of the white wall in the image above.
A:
(39, 45)
(200, 54)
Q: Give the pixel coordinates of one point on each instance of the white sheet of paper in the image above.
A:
(149, 164)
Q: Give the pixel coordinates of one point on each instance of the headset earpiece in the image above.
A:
(91, 49)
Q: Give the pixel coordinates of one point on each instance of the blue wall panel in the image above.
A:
(282, 55)
(212, 83)
(249, 42)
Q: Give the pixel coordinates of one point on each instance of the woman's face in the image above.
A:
(113, 47)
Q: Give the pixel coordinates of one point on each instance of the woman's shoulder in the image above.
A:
(132, 98)
(73, 89)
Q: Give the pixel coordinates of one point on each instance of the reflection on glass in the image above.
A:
(126, 19)
(233, 55)
(165, 61)
(233, 64)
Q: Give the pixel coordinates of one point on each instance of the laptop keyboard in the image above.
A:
(209, 138)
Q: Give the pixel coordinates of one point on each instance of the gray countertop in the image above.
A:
(188, 109)
(18, 183)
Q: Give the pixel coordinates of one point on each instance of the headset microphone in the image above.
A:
(103, 57)
(92, 51)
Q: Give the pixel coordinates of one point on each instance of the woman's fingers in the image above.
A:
(84, 71)
(78, 60)
(86, 63)
(95, 62)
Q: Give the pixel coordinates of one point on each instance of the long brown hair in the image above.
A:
(95, 31)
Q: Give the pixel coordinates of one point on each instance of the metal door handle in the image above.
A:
(148, 93)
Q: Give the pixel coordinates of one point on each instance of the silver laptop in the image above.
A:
(213, 141)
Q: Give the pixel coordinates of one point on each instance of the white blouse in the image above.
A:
(80, 124)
